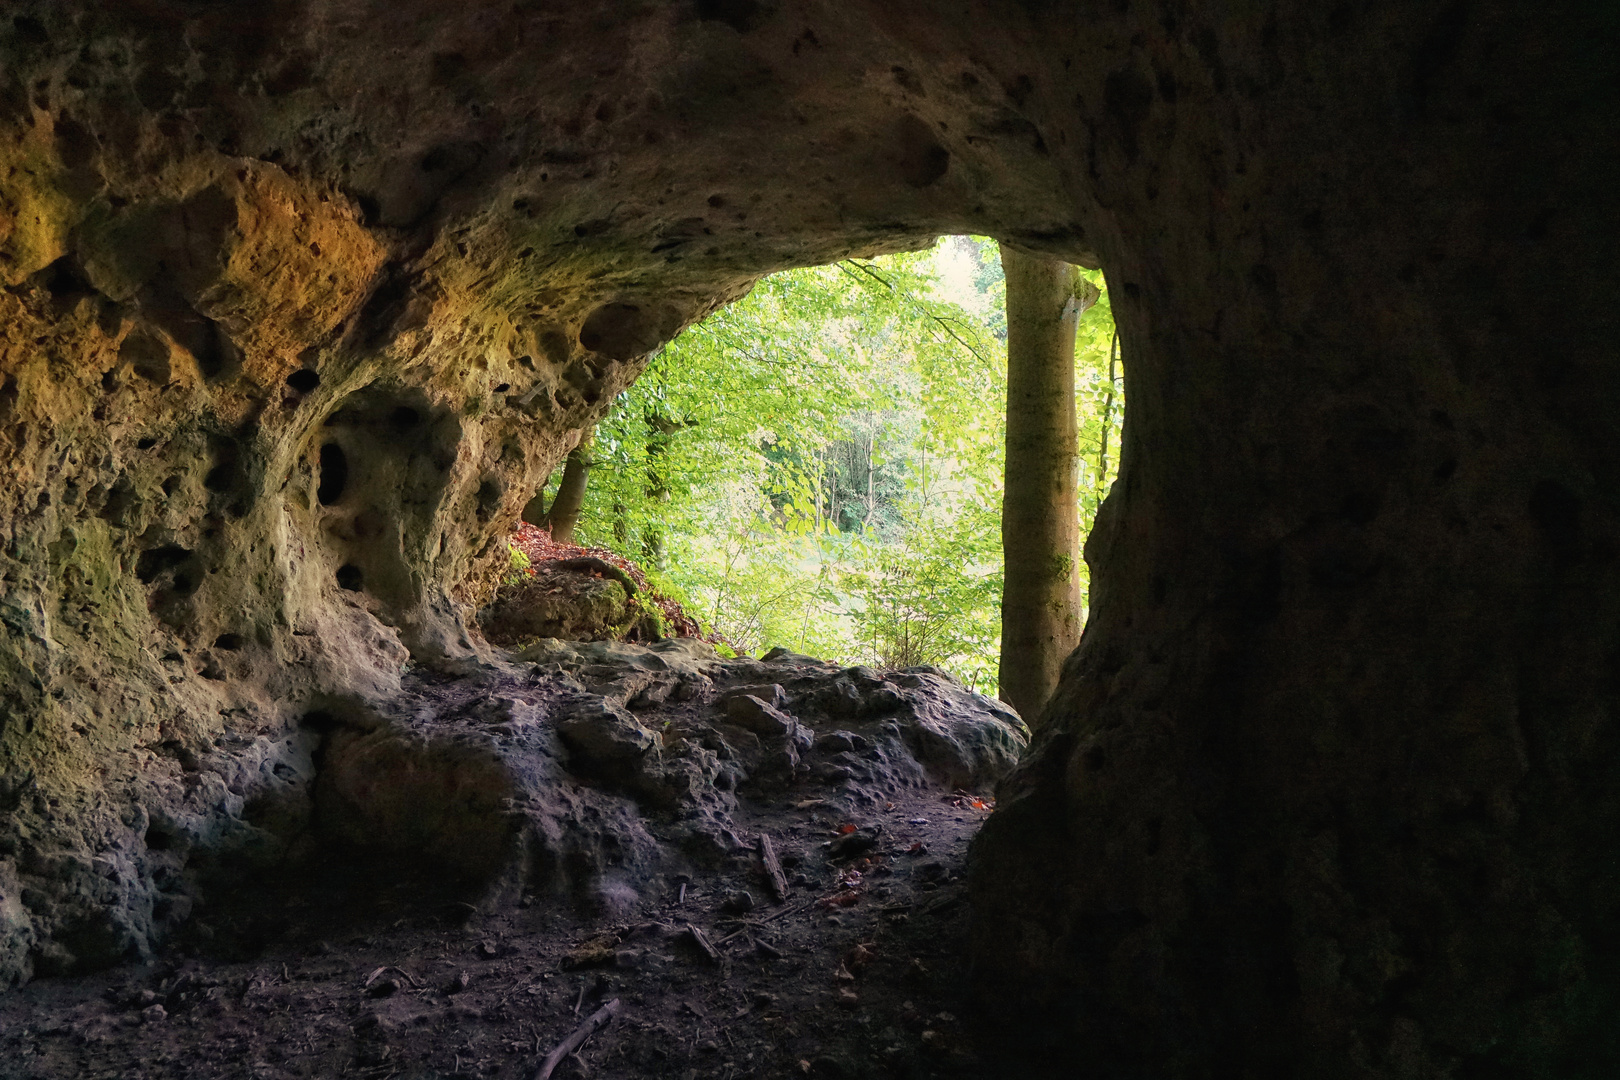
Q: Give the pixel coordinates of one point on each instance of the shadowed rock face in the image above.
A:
(302, 300)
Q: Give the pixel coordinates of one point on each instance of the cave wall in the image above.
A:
(302, 300)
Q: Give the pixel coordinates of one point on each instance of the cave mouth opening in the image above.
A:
(876, 391)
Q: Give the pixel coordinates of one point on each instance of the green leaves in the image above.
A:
(819, 464)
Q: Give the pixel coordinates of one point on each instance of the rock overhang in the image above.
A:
(1340, 427)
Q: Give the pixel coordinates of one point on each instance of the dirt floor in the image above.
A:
(856, 972)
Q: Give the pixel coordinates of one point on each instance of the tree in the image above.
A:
(565, 508)
(1040, 521)
(814, 466)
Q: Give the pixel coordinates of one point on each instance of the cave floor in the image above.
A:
(858, 974)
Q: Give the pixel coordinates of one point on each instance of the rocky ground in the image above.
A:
(498, 855)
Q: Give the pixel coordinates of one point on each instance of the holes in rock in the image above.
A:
(147, 355)
(145, 444)
(186, 581)
(303, 380)
(120, 500)
(155, 561)
(214, 352)
(620, 331)
(65, 282)
(334, 474)
(318, 720)
(227, 469)
(172, 484)
(394, 446)
(502, 388)
(554, 343)
(230, 642)
(489, 497)
(160, 837)
(385, 305)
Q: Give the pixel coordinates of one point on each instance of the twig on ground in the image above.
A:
(702, 941)
(773, 867)
(598, 1019)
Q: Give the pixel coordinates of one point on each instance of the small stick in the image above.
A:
(773, 916)
(598, 1019)
(704, 943)
(773, 867)
(680, 901)
(581, 999)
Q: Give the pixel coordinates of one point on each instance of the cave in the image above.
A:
(304, 300)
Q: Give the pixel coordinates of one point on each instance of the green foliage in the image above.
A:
(819, 464)
(517, 566)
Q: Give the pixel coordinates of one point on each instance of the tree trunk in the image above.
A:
(570, 498)
(1040, 522)
(534, 511)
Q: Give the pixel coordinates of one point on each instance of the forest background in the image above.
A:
(819, 465)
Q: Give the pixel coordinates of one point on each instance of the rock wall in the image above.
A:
(302, 299)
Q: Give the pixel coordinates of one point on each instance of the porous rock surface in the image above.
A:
(301, 299)
(552, 776)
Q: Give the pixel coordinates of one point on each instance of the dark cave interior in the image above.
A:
(304, 298)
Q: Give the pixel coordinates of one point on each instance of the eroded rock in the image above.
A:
(524, 781)
(299, 303)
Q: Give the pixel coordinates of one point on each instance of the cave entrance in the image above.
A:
(819, 466)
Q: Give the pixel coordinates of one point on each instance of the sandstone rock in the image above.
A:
(601, 735)
(290, 332)
(761, 717)
(558, 604)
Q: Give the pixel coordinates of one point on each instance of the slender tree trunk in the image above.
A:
(659, 429)
(1108, 413)
(564, 514)
(871, 477)
(1040, 521)
(534, 511)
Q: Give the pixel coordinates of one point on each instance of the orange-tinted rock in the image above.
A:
(1328, 787)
